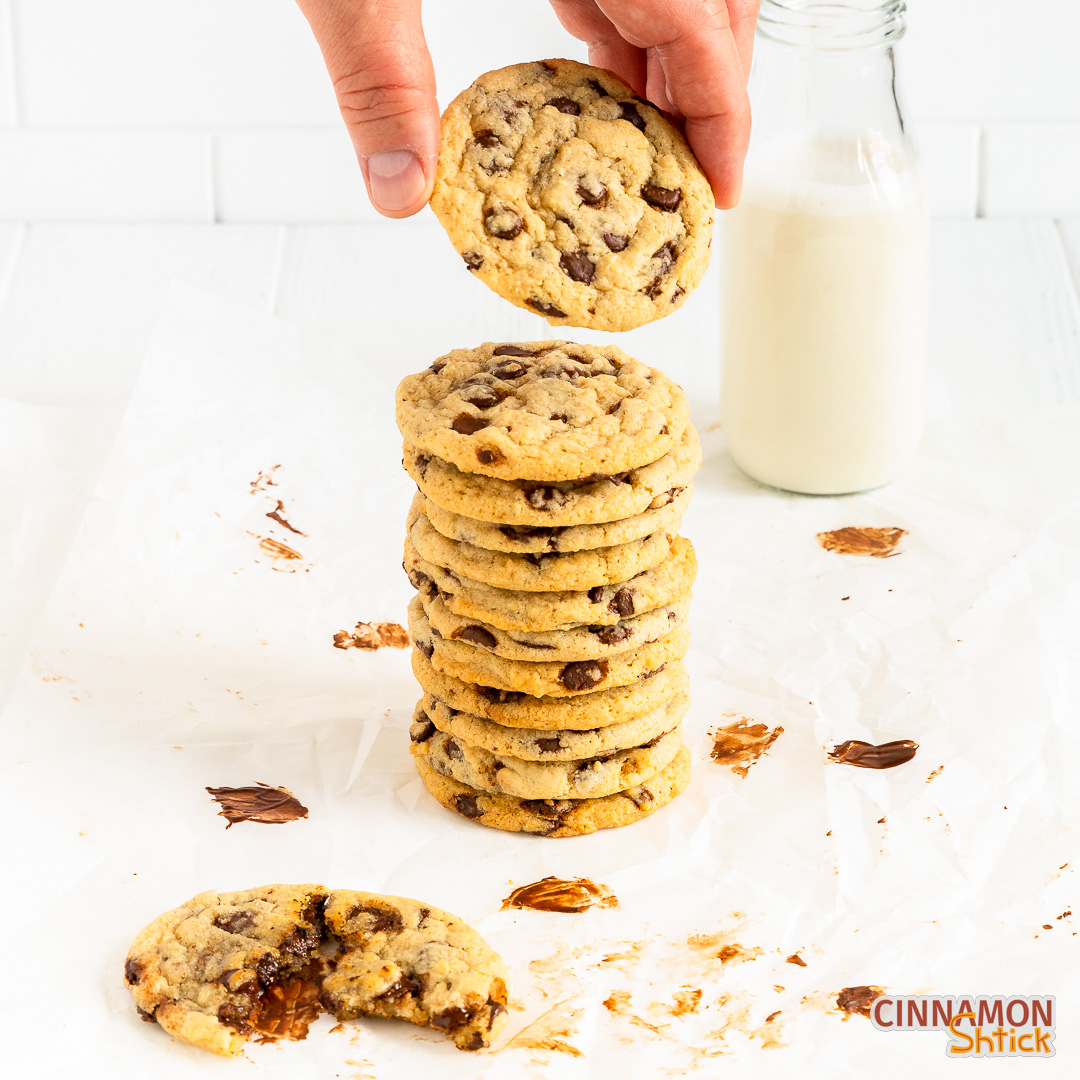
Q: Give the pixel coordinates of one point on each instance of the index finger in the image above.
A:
(705, 78)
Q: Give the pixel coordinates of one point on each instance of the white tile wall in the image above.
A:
(155, 84)
(8, 108)
(105, 175)
(1031, 164)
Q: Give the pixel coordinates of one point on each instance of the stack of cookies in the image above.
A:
(550, 620)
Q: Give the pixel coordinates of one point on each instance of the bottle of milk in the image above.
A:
(825, 257)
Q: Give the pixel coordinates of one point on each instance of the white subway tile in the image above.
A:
(950, 161)
(8, 108)
(991, 59)
(170, 63)
(105, 176)
(1031, 170)
(289, 175)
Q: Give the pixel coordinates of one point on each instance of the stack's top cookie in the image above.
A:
(542, 410)
(572, 197)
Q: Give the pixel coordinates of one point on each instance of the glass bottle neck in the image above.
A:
(836, 26)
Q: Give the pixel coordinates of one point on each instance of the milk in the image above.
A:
(824, 322)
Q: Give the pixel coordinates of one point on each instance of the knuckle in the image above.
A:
(364, 99)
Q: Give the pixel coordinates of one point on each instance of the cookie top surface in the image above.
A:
(571, 197)
(542, 410)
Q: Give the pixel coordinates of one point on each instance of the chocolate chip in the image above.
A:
(655, 671)
(560, 416)
(666, 253)
(549, 744)
(536, 560)
(595, 84)
(628, 111)
(149, 1017)
(422, 461)
(526, 532)
(553, 810)
(435, 630)
(593, 198)
(483, 397)
(514, 350)
(478, 635)
(266, 969)
(486, 138)
(504, 223)
(232, 1015)
(565, 105)
(236, 922)
(422, 915)
(488, 456)
(438, 365)
(613, 478)
(679, 291)
(421, 582)
(421, 730)
(496, 1008)
(494, 168)
(596, 594)
(615, 243)
(467, 806)
(426, 647)
(404, 986)
(583, 674)
(660, 197)
(133, 970)
(612, 635)
(466, 424)
(379, 920)
(544, 497)
(452, 1018)
(509, 369)
(664, 430)
(622, 603)
(578, 266)
(614, 408)
(640, 796)
(546, 309)
(473, 260)
(655, 287)
(300, 941)
(672, 616)
(493, 694)
(453, 750)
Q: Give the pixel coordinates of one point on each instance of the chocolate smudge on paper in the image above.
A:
(277, 514)
(685, 1001)
(858, 999)
(569, 895)
(264, 480)
(372, 636)
(796, 959)
(721, 948)
(262, 803)
(549, 1032)
(935, 774)
(862, 540)
(868, 756)
(739, 745)
(276, 549)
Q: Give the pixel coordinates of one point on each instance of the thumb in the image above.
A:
(385, 85)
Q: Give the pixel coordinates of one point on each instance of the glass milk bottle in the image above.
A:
(825, 257)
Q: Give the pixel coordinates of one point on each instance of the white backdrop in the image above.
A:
(220, 110)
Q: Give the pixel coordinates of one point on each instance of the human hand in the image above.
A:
(689, 57)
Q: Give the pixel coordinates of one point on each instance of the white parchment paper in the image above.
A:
(177, 652)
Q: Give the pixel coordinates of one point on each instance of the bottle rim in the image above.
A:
(833, 25)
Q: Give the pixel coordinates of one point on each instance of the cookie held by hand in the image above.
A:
(572, 198)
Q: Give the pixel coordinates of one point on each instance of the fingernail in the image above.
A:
(396, 179)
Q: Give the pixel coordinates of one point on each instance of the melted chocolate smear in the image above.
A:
(277, 515)
(739, 745)
(853, 540)
(868, 756)
(372, 636)
(265, 804)
(858, 999)
(569, 895)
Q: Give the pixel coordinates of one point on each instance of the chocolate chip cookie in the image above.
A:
(571, 197)
(539, 744)
(538, 539)
(587, 778)
(576, 643)
(531, 612)
(216, 970)
(469, 663)
(541, 410)
(558, 817)
(552, 572)
(594, 499)
(583, 712)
